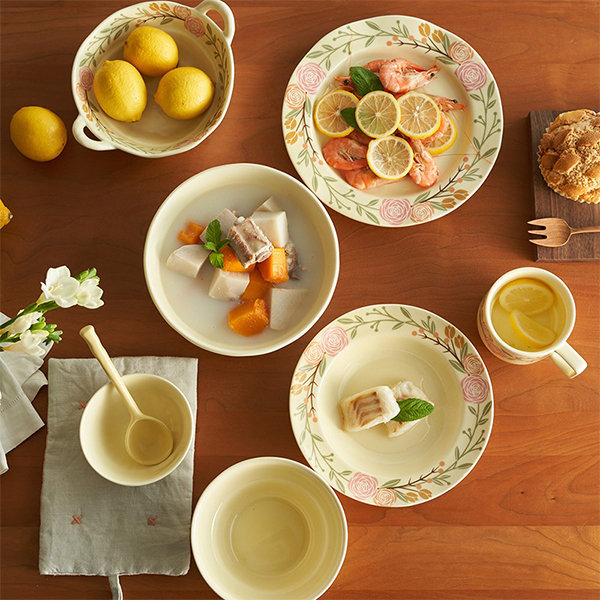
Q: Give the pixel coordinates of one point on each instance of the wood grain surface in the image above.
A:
(525, 524)
(547, 203)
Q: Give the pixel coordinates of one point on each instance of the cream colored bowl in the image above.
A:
(184, 303)
(269, 528)
(105, 420)
(201, 44)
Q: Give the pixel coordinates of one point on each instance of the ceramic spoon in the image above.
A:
(147, 440)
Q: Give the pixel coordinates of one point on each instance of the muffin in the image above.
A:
(569, 155)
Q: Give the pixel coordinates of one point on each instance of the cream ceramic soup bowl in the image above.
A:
(105, 420)
(201, 44)
(269, 528)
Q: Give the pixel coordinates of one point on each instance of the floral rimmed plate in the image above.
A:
(463, 76)
(380, 345)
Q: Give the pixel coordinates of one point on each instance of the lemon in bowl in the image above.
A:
(38, 133)
(184, 93)
(120, 90)
(151, 51)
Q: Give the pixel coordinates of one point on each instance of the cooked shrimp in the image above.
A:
(375, 65)
(444, 124)
(360, 137)
(364, 179)
(448, 104)
(424, 171)
(400, 76)
(345, 154)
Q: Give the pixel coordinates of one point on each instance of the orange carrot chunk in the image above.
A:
(274, 268)
(249, 318)
(191, 233)
(232, 263)
(257, 288)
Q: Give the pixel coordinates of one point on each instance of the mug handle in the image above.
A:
(224, 11)
(568, 361)
(79, 134)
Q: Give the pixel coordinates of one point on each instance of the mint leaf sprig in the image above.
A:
(364, 81)
(215, 244)
(412, 409)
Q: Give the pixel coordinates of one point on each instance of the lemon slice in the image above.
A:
(530, 331)
(377, 114)
(328, 113)
(529, 296)
(390, 157)
(419, 115)
(445, 140)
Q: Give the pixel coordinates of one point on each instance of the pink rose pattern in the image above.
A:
(384, 497)
(394, 210)
(181, 12)
(472, 75)
(294, 96)
(314, 353)
(475, 389)
(334, 340)
(421, 212)
(362, 486)
(86, 78)
(460, 52)
(194, 25)
(472, 364)
(310, 76)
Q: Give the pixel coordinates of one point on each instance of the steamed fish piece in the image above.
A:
(403, 390)
(188, 259)
(368, 408)
(249, 242)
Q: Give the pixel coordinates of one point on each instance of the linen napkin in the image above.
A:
(20, 381)
(90, 526)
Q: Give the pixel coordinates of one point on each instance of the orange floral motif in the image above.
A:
(291, 137)
(314, 353)
(425, 494)
(194, 25)
(437, 36)
(421, 212)
(181, 12)
(153, 6)
(294, 96)
(384, 497)
(424, 29)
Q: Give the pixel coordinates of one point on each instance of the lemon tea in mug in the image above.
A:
(526, 316)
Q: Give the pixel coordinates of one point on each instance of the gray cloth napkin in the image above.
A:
(90, 526)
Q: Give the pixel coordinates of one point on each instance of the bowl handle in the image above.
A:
(80, 135)
(224, 11)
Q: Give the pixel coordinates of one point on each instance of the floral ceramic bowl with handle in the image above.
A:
(201, 44)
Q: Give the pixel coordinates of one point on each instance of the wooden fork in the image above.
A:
(556, 231)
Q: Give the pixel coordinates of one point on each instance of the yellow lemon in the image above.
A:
(529, 296)
(151, 51)
(328, 113)
(5, 215)
(529, 331)
(38, 133)
(120, 90)
(184, 93)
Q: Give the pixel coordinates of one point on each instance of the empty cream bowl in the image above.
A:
(201, 44)
(106, 418)
(269, 528)
(184, 302)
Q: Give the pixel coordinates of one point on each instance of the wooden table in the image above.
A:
(525, 522)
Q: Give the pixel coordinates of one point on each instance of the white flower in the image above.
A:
(89, 293)
(60, 287)
(23, 323)
(30, 343)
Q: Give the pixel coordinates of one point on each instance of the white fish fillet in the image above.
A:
(368, 408)
(401, 391)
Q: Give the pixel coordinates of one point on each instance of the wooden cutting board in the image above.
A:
(546, 203)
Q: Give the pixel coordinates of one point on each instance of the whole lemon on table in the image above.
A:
(184, 93)
(120, 90)
(151, 51)
(38, 133)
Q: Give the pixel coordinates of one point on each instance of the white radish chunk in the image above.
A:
(269, 205)
(188, 259)
(226, 285)
(274, 226)
(284, 304)
(227, 220)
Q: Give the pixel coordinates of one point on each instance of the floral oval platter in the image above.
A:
(463, 76)
(381, 345)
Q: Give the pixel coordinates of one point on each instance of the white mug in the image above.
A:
(565, 357)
